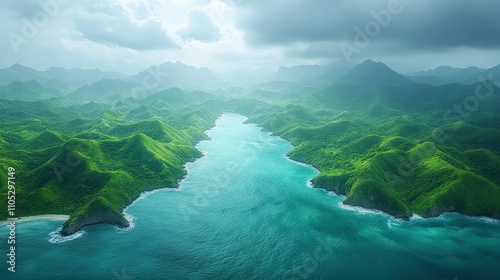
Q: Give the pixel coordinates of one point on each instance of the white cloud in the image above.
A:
(125, 26)
(130, 35)
(200, 27)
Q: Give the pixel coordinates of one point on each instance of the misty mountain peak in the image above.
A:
(373, 73)
(18, 67)
(370, 64)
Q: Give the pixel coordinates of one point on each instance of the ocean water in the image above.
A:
(245, 211)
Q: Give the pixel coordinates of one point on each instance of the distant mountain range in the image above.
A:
(73, 77)
(373, 73)
(384, 140)
(168, 75)
(446, 74)
(20, 82)
(176, 74)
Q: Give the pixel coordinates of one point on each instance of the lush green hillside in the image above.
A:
(381, 140)
(104, 90)
(390, 148)
(29, 90)
(91, 160)
(373, 73)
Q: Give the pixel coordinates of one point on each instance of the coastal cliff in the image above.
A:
(72, 226)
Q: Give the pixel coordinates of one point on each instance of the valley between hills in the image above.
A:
(87, 143)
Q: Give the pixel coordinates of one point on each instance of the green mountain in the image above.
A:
(370, 73)
(91, 160)
(177, 97)
(469, 75)
(385, 144)
(168, 75)
(431, 80)
(378, 138)
(492, 73)
(104, 90)
(55, 84)
(19, 73)
(80, 77)
(29, 90)
(73, 77)
(442, 72)
(300, 73)
(45, 139)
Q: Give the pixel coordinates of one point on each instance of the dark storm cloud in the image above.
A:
(423, 24)
(281, 22)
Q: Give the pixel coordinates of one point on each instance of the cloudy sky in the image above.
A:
(130, 35)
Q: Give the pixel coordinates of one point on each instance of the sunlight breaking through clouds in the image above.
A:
(253, 33)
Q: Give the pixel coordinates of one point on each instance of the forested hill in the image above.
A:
(90, 160)
(379, 138)
(403, 148)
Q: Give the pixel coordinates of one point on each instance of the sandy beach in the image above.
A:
(38, 217)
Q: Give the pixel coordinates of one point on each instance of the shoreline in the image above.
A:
(36, 218)
(358, 208)
(141, 195)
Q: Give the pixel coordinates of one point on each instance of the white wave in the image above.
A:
(148, 193)
(285, 156)
(56, 237)
(416, 217)
(362, 210)
(131, 220)
(393, 222)
(485, 220)
(334, 194)
(310, 184)
(480, 219)
(453, 215)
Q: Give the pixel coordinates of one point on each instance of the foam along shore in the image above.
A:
(38, 217)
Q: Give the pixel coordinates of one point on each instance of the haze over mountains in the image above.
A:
(20, 82)
(315, 113)
(355, 125)
(447, 74)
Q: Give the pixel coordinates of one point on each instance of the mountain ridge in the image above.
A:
(373, 74)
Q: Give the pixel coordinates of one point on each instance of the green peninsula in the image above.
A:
(91, 160)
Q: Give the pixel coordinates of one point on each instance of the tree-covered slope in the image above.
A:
(91, 160)
(394, 148)
(381, 140)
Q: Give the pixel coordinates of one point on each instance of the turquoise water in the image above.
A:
(246, 212)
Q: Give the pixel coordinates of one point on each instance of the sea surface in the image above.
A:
(245, 211)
